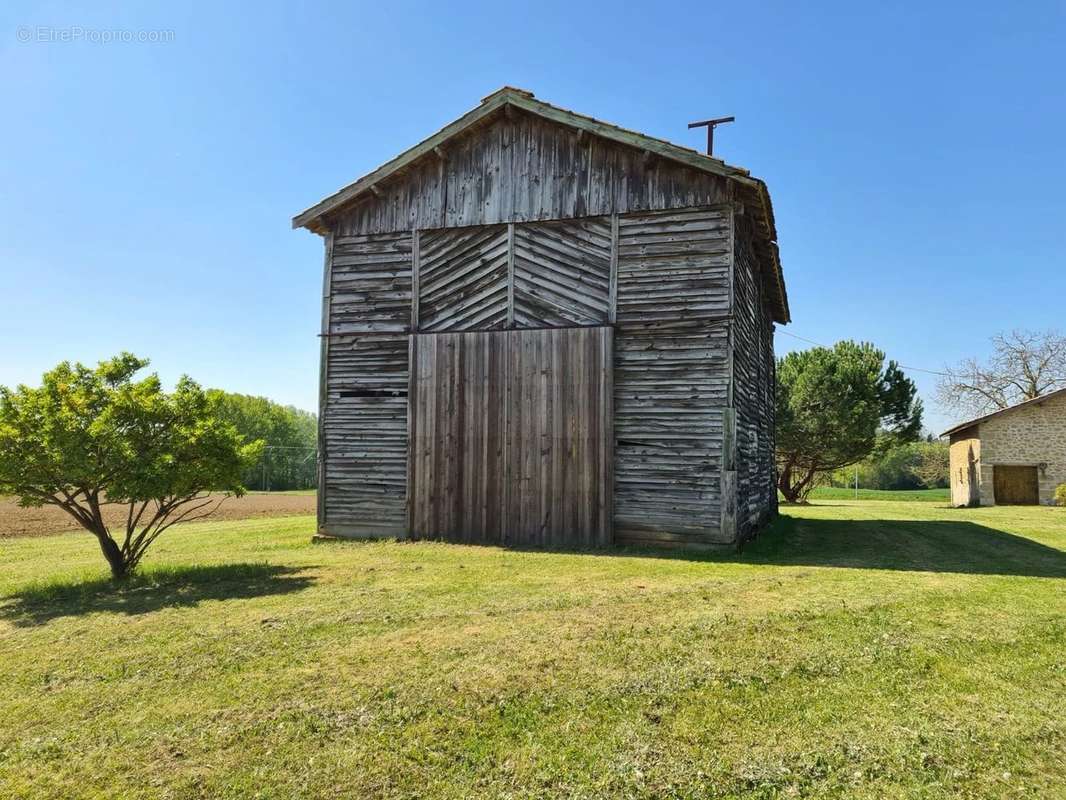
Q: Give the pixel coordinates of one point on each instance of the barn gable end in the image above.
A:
(523, 221)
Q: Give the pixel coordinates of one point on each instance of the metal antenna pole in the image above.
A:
(711, 124)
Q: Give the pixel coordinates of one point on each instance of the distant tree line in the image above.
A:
(899, 466)
(290, 437)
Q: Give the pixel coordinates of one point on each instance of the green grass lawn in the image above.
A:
(919, 495)
(866, 650)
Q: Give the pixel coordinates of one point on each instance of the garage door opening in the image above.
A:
(1016, 486)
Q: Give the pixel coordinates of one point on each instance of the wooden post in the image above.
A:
(729, 413)
(412, 430)
(323, 381)
(414, 280)
(729, 474)
(612, 297)
(510, 274)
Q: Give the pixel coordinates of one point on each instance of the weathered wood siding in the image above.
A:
(562, 273)
(364, 418)
(511, 437)
(462, 278)
(529, 169)
(371, 283)
(458, 436)
(671, 374)
(365, 434)
(753, 388)
(560, 443)
(524, 224)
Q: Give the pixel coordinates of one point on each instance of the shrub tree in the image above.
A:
(88, 438)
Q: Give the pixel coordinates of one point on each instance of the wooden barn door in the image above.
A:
(511, 437)
(1016, 486)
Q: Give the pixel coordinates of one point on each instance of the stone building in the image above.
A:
(1016, 456)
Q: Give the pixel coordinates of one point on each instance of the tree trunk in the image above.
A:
(113, 554)
(784, 485)
(795, 492)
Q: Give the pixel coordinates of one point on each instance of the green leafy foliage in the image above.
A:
(912, 465)
(290, 435)
(90, 437)
(1060, 494)
(834, 406)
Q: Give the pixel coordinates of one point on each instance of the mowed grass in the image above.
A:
(913, 495)
(869, 650)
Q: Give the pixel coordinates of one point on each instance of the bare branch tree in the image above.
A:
(1024, 365)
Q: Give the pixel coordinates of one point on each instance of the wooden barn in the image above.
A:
(539, 329)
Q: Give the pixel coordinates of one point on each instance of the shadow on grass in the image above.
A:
(947, 546)
(152, 590)
(917, 545)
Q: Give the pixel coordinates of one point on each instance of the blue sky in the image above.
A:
(916, 156)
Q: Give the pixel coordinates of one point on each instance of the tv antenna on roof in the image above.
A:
(711, 124)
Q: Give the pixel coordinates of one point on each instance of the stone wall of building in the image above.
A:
(965, 457)
(1033, 435)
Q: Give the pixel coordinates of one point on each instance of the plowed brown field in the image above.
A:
(15, 521)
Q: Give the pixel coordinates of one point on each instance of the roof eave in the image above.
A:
(1024, 404)
(306, 218)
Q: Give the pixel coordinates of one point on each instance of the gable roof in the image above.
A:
(753, 190)
(1034, 402)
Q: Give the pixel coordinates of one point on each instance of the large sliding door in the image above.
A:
(511, 437)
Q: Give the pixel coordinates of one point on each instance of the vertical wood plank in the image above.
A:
(556, 464)
(415, 268)
(607, 439)
(545, 437)
(510, 274)
(431, 474)
(412, 431)
(507, 358)
(323, 381)
(612, 293)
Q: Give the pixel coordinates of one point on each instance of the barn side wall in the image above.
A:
(672, 372)
(754, 380)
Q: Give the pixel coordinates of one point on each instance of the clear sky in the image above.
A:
(916, 155)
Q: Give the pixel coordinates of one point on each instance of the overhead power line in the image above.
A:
(819, 344)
